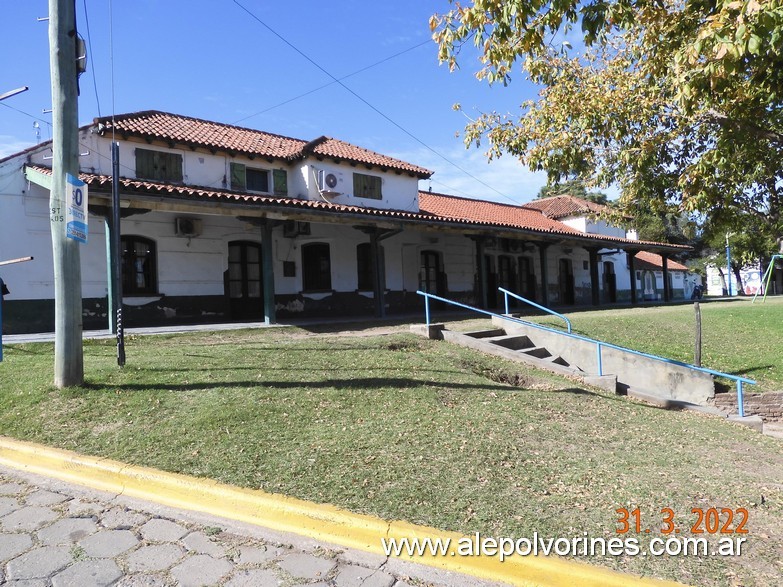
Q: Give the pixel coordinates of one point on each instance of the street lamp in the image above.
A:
(13, 92)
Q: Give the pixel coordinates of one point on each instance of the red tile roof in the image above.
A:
(520, 217)
(491, 213)
(645, 260)
(433, 209)
(185, 130)
(564, 205)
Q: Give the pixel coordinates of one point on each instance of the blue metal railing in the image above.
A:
(598, 344)
(507, 293)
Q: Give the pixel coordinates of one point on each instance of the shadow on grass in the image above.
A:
(9, 350)
(368, 383)
(747, 370)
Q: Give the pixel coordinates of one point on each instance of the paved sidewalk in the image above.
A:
(53, 533)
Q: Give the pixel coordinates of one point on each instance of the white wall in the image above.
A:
(399, 191)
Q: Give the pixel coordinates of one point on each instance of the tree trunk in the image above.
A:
(723, 281)
(738, 277)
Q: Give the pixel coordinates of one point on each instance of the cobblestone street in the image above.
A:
(52, 533)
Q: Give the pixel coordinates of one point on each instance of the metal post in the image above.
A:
(600, 362)
(427, 310)
(740, 399)
(115, 245)
(505, 297)
(728, 264)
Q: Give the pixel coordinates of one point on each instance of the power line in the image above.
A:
(92, 59)
(358, 71)
(364, 101)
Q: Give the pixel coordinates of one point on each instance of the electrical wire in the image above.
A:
(92, 59)
(358, 71)
(369, 105)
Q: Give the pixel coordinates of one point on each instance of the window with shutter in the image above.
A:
(158, 165)
(280, 182)
(244, 178)
(367, 186)
(238, 177)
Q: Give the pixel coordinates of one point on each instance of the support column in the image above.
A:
(667, 294)
(268, 272)
(542, 247)
(378, 275)
(594, 285)
(632, 271)
(481, 270)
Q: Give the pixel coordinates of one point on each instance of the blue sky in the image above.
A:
(213, 60)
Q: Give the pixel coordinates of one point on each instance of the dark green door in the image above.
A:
(245, 288)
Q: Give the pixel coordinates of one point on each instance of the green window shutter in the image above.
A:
(366, 186)
(280, 182)
(158, 165)
(171, 164)
(238, 177)
(145, 164)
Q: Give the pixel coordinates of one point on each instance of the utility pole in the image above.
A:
(68, 352)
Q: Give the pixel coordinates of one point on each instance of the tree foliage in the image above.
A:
(678, 103)
(573, 187)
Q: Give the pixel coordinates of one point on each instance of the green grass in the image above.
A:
(738, 337)
(406, 428)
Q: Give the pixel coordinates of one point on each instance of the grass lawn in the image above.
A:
(406, 428)
(737, 337)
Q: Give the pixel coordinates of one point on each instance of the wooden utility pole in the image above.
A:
(68, 353)
(697, 344)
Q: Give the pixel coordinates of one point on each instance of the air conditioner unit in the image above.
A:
(187, 227)
(293, 228)
(328, 183)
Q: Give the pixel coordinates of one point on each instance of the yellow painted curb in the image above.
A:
(318, 521)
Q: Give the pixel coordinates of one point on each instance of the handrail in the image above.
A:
(599, 345)
(507, 293)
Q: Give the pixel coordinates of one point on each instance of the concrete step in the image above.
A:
(537, 351)
(514, 342)
(486, 345)
(495, 332)
(558, 360)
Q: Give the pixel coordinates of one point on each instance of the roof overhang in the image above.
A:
(154, 196)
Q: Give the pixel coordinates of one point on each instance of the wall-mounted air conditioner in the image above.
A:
(187, 227)
(328, 182)
(294, 228)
